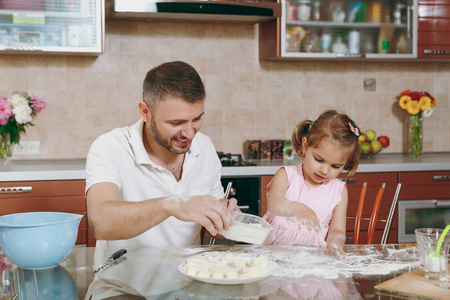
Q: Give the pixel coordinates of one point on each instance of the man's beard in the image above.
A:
(165, 143)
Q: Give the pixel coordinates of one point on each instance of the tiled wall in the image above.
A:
(246, 98)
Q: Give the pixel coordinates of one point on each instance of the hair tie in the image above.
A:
(353, 129)
(310, 125)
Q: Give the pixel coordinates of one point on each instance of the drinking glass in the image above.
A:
(427, 239)
(444, 267)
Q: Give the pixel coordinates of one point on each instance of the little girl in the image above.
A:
(307, 204)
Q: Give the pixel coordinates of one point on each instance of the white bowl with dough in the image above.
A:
(248, 228)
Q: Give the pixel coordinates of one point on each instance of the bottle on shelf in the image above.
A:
(326, 42)
(316, 14)
(353, 41)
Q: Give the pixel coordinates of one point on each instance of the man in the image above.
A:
(157, 182)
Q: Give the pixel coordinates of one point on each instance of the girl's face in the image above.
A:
(322, 163)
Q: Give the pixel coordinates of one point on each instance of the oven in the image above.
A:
(414, 214)
(246, 191)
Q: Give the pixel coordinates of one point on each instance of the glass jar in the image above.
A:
(304, 11)
(339, 46)
(316, 16)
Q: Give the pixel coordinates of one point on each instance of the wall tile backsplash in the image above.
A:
(247, 99)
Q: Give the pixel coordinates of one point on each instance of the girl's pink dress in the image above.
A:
(322, 200)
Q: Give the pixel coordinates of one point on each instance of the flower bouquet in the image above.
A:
(16, 113)
(417, 104)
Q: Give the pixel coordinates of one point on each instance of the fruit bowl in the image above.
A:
(371, 144)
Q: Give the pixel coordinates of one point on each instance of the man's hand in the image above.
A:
(205, 209)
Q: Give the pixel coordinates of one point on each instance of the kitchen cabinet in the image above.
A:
(52, 27)
(341, 29)
(424, 202)
(434, 29)
(56, 195)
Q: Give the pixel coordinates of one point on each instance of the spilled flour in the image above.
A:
(299, 261)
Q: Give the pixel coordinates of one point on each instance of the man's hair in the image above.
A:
(175, 79)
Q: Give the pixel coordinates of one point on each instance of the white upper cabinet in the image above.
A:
(342, 29)
(52, 26)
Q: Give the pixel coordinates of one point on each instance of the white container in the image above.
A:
(339, 46)
(304, 11)
(353, 41)
(248, 228)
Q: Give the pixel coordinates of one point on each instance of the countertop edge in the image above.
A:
(74, 169)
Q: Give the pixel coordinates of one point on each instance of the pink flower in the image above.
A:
(38, 103)
(5, 111)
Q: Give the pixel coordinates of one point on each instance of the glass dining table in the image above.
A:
(297, 272)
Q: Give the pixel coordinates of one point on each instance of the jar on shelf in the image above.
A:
(339, 46)
(304, 10)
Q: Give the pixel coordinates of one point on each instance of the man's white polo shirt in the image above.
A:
(119, 157)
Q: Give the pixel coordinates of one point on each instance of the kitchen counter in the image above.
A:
(73, 169)
(152, 273)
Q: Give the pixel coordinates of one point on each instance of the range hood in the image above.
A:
(227, 11)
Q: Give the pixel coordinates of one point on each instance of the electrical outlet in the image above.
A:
(34, 147)
(27, 148)
(19, 149)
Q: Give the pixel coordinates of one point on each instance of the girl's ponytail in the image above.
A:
(301, 130)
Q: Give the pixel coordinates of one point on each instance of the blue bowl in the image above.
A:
(52, 283)
(38, 240)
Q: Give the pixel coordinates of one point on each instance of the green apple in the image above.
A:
(371, 134)
(365, 148)
(375, 146)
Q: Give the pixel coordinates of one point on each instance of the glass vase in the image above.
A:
(415, 136)
(5, 150)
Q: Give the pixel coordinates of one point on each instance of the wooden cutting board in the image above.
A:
(413, 285)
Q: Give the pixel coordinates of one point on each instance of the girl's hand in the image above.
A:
(335, 243)
(336, 249)
(307, 218)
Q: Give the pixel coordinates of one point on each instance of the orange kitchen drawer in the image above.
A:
(435, 25)
(420, 2)
(425, 185)
(82, 236)
(44, 188)
(434, 10)
(433, 51)
(63, 204)
(433, 38)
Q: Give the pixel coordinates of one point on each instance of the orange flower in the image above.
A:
(405, 92)
(404, 101)
(412, 107)
(433, 100)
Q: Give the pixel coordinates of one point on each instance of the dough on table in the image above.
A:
(225, 267)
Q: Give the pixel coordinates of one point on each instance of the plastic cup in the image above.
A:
(432, 263)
